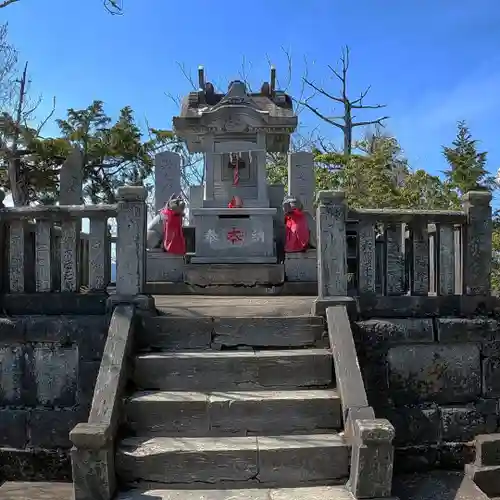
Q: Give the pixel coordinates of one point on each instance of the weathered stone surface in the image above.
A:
(302, 266)
(234, 274)
(51, 428)
(437, 484)
(163, 266)
(187, 460)
(38, 490)
(238, 413)
(462, 423)
(486, 477)
(454, 456)
(11, 374)
(398, 330)
(87, 376)
(54, 303)
(13, 425)
(414, 424)
(304, 493)
(297, 459)
(93, 473)
(268, 332)
(11, 331)
(34, 465)
(55, 374)
(282, 459)
(465, 330)
(440, 373)
(228, 370)
(89, 332)
(491, 377)
(415, 458)
(487, 449)
(175, 333)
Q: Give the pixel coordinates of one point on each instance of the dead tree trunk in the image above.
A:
(345, 122)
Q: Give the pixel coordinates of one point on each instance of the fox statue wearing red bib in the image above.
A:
(166, 230)
(298, 236)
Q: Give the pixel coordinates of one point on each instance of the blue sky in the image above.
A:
(431, 62)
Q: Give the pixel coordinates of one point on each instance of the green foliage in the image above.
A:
(467, 166)
(113, 153)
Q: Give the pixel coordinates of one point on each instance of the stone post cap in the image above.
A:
(330, 197)
(132, 193)
(375, 431)
(479, 197)
(91, 436)
(306, 154)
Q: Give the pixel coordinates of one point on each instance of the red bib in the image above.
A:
(173, 236)
(297, 232)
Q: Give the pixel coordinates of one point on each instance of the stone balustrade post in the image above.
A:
(477, 247)
(131, 241)
(331, 244)
(372, 459)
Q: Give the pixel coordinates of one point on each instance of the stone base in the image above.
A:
(233, 260)
(163, 266)
(234, 274)
(302, 266)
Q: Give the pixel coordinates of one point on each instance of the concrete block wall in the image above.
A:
(48, 368)
(437, 380)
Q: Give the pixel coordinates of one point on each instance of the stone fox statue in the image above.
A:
(165, 230)
(300, 228)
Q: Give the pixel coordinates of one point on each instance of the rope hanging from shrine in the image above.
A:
(236, 162)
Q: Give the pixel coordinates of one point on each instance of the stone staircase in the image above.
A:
(244, 404)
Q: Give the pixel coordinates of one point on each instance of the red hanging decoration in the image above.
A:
(173, 236)
(234, 162)
(297, 231)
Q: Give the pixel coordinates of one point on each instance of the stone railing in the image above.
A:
(405, 252)
(372, 453)
(44, 249)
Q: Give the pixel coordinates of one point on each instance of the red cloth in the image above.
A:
(233, 204)
(173, 236)
(297, 231)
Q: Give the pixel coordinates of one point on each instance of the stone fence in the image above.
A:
(405, 252)
(44, 249)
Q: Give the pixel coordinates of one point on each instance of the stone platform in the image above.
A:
(36, 491)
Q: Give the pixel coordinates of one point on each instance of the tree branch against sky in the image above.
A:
(114, 7)
(345, 122)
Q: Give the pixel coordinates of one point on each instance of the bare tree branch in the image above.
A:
(347, 123)
(7, 2)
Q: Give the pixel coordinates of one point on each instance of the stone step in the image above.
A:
(239, 274)
(237, 413)
(487, 478)
(174, 332)
(304, 493)
(276, 460)
(233, 370)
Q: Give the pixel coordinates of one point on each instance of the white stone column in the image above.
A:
(131, 240)
(301, 181)
(167, 177)
(208, 192)
(262, 195)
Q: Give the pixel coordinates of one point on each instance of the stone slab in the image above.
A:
(288, 288)
(234, 274)
(197, 306)
(171, 332)
(277, 460)
(442, 373)
(239, 413)
(301, 266)
(304, 493)
(434, 485)
(162, 266)
(229, 370)
(488, 449)
(39, 491)
(373, 332)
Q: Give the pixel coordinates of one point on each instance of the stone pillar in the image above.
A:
(372, 459)
(195, 201)
(261, 156)
(167, 177)
(332, 251)
(301, 181)
(131, 240)
(210, 163)
(71, 179)
(477, 246)
(93, 462)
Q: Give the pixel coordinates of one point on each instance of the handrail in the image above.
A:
(53, 212)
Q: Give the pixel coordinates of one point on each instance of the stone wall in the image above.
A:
(437, 380)
(48, 368)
